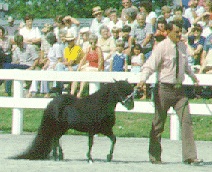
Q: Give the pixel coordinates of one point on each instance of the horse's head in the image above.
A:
(125, 93)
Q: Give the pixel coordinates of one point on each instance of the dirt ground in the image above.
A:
(131, 154)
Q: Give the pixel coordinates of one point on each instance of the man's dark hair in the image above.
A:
(176, 23)
(28, 17)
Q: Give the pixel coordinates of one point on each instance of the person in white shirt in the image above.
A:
(151, 16)
(31, 35)
(194, 11)
(115, 21)
(98, 21)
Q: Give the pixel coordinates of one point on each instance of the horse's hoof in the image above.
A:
(109, 157)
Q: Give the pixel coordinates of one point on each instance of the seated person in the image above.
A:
(107, 45)
(95, 63)
(27, 58)
(118, 61)
(195, 46)
(72, 57)
(206, 66)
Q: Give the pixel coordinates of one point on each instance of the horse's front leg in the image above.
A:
(90, 144)
(113, 140)
(56, 145)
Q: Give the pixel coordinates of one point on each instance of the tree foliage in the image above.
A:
(51, 8)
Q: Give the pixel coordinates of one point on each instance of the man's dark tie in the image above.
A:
(177, 62)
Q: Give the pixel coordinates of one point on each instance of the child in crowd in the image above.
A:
(138, 59)
(118, 61)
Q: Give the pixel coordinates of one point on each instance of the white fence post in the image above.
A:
(175, 128)
(93, 87)
(17, 119)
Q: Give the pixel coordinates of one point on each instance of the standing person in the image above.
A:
(151, 16)
(72, 25)
(126, 4)
(31, 35)
(169, 92)
(98, 21)
(178, 11)
(194, 11)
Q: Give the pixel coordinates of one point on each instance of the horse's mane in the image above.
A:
(103, 97)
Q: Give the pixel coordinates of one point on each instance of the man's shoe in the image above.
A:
(193, 162)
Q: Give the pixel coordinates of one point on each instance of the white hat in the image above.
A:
(69, 36)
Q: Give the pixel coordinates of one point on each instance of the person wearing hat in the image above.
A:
(71, 59)
(98, 21)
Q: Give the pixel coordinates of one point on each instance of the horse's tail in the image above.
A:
(41, 145)
(43, 142)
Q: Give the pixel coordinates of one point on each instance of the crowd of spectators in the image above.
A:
(113, 42)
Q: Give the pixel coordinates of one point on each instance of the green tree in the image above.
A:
(52, 8)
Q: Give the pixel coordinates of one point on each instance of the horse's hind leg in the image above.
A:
(90, 144)
(113, 140)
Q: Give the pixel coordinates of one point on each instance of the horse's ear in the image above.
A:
(114, 80)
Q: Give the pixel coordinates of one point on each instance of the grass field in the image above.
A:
(127, 124)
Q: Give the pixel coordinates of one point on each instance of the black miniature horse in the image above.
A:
(93, 114)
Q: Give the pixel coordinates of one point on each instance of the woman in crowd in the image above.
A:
(131, 14)
(115, 21)
(95, 61)
(107, 45)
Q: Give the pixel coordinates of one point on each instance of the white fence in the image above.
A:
(17, 102)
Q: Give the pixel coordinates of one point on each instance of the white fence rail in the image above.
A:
(17, 102)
